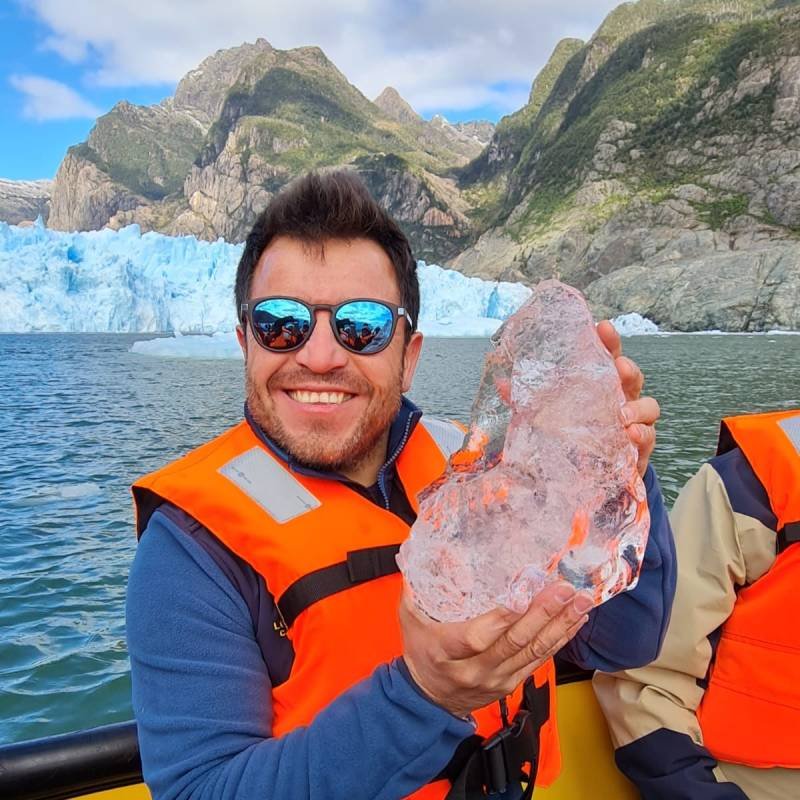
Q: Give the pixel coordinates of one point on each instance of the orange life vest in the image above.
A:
(750, 712)
(288, 527)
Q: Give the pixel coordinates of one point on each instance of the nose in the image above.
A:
(322, 352)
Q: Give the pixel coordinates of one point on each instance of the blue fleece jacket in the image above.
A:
(202, 683)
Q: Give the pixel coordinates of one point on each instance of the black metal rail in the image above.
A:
(71, 765)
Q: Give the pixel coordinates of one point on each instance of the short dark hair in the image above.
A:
(330, 205)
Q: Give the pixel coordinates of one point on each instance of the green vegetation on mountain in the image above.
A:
(718, 212)
(213, 158)
(331, 121)
(668, 145)
(147, 150)
(656, 63)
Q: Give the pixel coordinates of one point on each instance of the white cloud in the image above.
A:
(46, 99)
(437, 53)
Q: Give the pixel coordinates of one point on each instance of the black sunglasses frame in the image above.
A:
(246, 316)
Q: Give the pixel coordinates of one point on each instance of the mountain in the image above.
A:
(238, 128)
(393, 105)
(24, 201)
(656, 167)
(464, 139)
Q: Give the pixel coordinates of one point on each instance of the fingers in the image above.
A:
(460, 640)
(644, 411)
(553, 636)
(640, 417)
(457, 640)
(453, 665)
(610, 338)
(643, 438)
(630, 376)
(638, 413)
(523, 672)
(550, 615)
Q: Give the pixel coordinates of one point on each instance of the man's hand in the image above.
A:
(640, 413)
(463, 666)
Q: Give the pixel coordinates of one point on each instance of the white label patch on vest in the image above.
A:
(267, 483)
(791, 427)
(448, 436)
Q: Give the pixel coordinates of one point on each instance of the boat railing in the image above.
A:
(71, 764)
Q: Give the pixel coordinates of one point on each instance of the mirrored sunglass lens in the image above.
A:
(280, 323)
(364, 326)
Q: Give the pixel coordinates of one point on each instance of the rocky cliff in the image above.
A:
(656, 167)
(24, 201)
(243, 124)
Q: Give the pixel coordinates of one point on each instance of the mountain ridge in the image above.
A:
(239, 127)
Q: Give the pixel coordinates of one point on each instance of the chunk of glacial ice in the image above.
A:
(546, 485)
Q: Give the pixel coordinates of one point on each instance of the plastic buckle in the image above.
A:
(502, 761)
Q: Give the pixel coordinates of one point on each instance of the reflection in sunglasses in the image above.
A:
(362, 326)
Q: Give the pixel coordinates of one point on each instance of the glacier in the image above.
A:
(129, 282)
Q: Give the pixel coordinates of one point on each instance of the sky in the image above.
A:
(65, 62)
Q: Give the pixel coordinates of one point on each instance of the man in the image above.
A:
(717, 715)
(367, 335)
(262, 609)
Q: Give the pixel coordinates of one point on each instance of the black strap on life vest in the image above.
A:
(483, 767)
(788, 535)
(361, 565)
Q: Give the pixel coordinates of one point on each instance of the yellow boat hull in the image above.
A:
(588, 768)
(587, 754)
(138, 792)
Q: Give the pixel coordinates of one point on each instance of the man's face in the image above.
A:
(328, 407)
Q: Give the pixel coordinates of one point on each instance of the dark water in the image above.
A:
(80, 417)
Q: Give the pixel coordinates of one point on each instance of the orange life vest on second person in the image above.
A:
(750, 712)
(290, 527)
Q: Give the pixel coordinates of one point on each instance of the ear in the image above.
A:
(411, 358)
(241, 335)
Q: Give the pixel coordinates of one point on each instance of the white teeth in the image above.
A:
(318, 397)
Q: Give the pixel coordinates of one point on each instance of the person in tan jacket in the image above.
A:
(717, 715)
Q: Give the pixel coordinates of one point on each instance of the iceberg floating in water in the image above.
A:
(634, 325)
(222, 345)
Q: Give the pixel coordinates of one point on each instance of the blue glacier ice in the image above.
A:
(114, 281)
(129, 282)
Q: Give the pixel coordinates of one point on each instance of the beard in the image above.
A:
(316, 447)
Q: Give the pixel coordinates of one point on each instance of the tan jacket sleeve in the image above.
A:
(718, 550)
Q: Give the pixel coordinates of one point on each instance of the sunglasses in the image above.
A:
(362, 326)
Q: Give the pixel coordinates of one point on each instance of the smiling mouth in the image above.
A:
(325, 398)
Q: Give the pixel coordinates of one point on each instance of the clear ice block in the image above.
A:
(546, 485)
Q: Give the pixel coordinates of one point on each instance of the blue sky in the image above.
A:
(64, 62)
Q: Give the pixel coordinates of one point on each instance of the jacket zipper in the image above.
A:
(391, 459)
